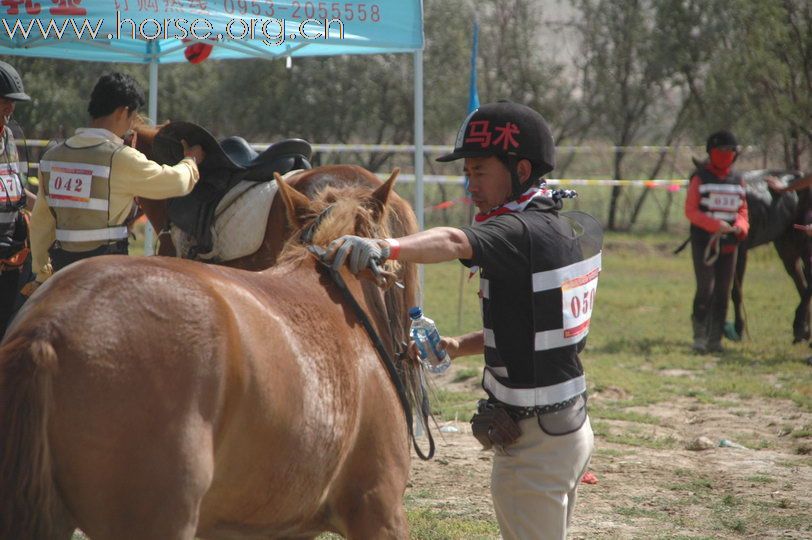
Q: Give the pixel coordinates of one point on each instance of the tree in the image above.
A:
(621, 73)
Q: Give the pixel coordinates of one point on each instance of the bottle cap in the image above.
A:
(415, 312)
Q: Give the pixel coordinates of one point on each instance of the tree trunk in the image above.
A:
(669, 140)
(616, 190)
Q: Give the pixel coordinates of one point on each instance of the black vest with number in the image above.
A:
(535, 325)
(719, 198)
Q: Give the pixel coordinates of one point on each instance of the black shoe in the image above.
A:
(715, 348)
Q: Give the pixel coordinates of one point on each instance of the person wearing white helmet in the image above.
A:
(537, 291)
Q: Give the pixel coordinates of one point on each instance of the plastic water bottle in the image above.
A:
(427, 338)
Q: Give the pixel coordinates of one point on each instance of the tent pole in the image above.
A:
(153, 115)
(418, 150)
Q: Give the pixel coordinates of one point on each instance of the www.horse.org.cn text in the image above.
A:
(271, 31)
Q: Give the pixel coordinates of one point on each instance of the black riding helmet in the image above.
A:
(722, 139)
(511, 132)
(11, 84)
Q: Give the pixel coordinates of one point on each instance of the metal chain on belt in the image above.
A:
(520, 413)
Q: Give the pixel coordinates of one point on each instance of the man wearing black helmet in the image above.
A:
(717, 209)
(13, 196)
(89, 182)
(533, 276)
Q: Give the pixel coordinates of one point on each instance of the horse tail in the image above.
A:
(27, 492)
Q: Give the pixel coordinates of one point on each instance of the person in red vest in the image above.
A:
(717, 209)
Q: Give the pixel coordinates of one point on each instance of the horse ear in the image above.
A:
(296, 204)
(382, 193)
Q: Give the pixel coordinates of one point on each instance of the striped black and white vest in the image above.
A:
(719, 198)
(539, 366)
(12, 193)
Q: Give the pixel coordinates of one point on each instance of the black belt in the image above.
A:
(521, 413)
(61, 258)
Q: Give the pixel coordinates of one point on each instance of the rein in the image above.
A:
(306, 237)
(387, 362)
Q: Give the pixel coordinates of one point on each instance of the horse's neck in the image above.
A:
(145, 138)
(379, 306)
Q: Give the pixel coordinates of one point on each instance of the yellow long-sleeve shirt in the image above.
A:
(131, 175)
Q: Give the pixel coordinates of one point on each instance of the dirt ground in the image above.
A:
(668, 492)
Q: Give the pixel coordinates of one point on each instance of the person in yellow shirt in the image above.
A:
(89, 182)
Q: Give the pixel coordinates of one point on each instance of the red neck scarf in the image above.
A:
(517, 205)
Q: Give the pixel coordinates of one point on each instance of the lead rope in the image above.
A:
(712, 249)
(387, 361)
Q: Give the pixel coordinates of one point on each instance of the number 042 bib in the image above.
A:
(71, 184)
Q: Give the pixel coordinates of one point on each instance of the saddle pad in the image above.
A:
(240, 221)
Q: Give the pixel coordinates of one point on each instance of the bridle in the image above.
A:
(306, 237)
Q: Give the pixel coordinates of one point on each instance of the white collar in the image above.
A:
(99, 132)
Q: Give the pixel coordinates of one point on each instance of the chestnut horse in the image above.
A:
(154, 397)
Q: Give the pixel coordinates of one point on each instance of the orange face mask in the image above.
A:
(722, 159)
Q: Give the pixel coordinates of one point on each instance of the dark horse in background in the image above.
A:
(772, 216)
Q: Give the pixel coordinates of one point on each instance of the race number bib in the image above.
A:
(723, 202)
(578, 299)
(12, 188)
(71, 184)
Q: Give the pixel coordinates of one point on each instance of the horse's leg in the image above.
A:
(791, 253)
(378, 516)
(149, 491)
(141, 461)
(368, 501)
(737, 293)
(807, 296)
(157, 212)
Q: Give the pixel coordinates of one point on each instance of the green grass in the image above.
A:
(433, 524)
(466, 374)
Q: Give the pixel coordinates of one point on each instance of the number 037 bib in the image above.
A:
(578, 284)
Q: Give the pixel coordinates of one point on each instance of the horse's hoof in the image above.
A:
(730, 332)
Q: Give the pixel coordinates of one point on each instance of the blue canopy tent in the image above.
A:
(158, 32)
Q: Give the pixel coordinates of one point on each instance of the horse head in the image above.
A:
(143, 139)
(334, 212)
(377, 212)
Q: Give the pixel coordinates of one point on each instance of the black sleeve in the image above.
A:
(500, 246)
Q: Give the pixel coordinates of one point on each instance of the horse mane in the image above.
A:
(352, 211)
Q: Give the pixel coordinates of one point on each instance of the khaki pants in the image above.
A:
(534, 484)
